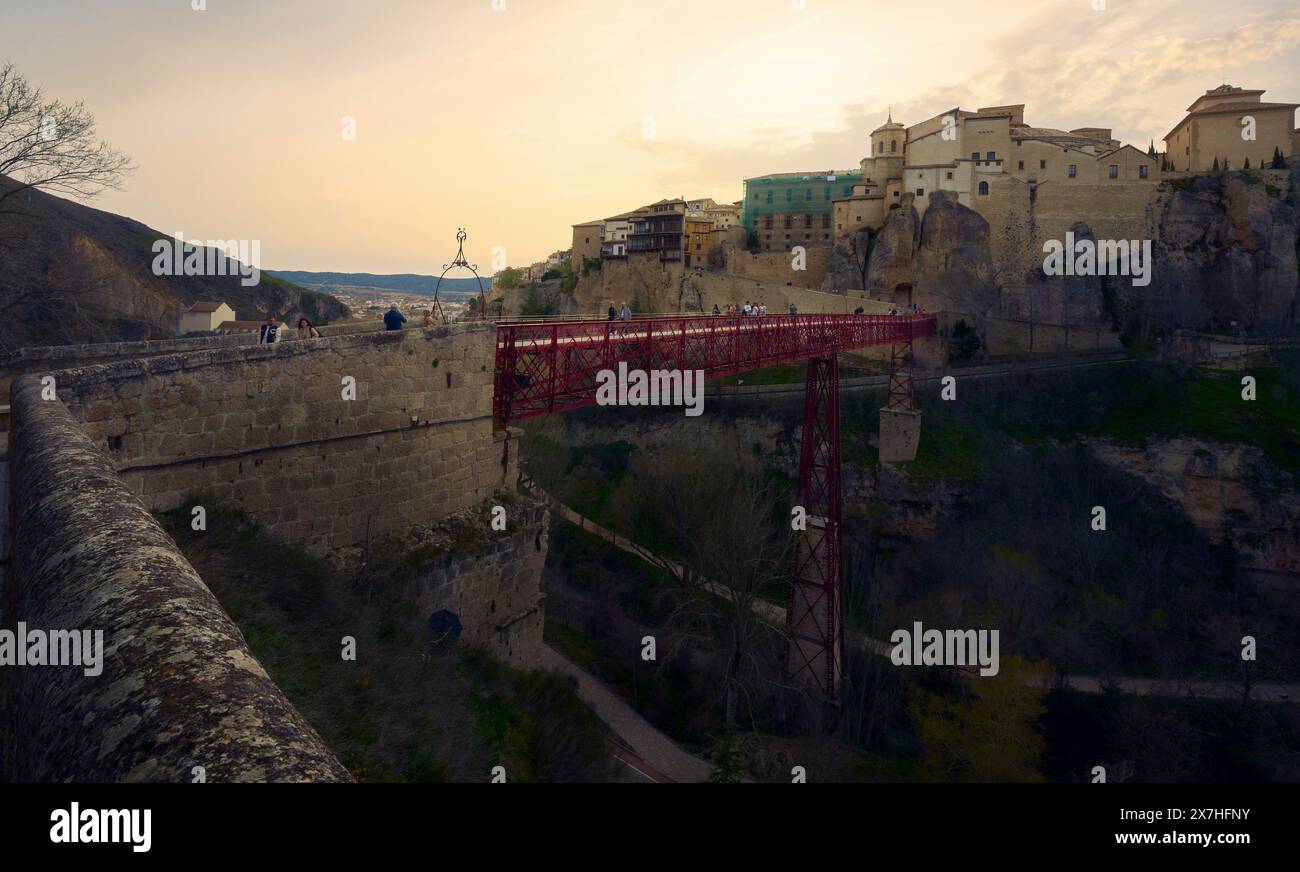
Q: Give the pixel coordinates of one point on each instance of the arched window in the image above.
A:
(893, 145)
(984, 188)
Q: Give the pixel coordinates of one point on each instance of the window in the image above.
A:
(1042, 164)
(858, 219)
(787, 224)
(984, 188)
(1114, 171)
(827, 195)
(839, 226)
(949, 175)
(826, 222)
(974, 155)
(1022, 165)
(767, 223)
(807, 221)
(893, 145)
(807, 193)
(993, 155)
(1072, 170)
(789, 195)
(1142, 171)
(920, 192)
(769, 196)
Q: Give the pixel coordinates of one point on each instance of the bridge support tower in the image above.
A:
(814, 618)
(900, 420)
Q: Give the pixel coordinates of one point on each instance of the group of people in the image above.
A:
(749, 309)
(269, 332)
(621, 313)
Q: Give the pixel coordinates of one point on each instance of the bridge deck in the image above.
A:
(551, 366)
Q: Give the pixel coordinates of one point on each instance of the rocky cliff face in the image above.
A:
(1231, 492)
(1224, 250)
(69, 274)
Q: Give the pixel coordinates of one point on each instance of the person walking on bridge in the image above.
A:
(613, 313)
(793, 309)
(716, 310)
(625, 314)
(393, 319)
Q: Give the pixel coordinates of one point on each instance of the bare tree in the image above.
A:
(51, 145)
(708, 521)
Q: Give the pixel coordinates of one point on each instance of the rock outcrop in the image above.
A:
(1232, 492)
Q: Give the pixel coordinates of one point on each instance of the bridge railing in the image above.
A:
(551, 366)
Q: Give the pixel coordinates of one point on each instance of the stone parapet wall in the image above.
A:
(50, 358)
(179, 687)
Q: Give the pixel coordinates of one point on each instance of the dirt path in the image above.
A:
(654, 755)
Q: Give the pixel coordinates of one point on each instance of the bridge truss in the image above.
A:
(551, 366)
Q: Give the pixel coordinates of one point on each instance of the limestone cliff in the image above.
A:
(1232, 492)
(1224, 249)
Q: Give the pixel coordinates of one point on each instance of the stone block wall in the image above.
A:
(267, 429)
(495, 591)
(776, 266)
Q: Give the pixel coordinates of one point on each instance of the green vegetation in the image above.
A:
(534, 306)
(510, 278)
(406, 709)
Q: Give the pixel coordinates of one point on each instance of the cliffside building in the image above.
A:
(587, 241)
(1231, 124)
(659, 229)
(698, 241)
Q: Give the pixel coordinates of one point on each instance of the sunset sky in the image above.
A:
(520, 122)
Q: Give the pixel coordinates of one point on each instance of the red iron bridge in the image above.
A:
(551, 366)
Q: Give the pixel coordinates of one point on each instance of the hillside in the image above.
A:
(407, 283)
(70, 273)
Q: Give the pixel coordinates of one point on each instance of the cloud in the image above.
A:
(1133, 67)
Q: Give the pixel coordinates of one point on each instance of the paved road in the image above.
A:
(774, 614)
(653, 755)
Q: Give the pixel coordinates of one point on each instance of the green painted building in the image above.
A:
(788, 209)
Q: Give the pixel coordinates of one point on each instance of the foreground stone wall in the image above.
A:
(179, 686)
(267, 429)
